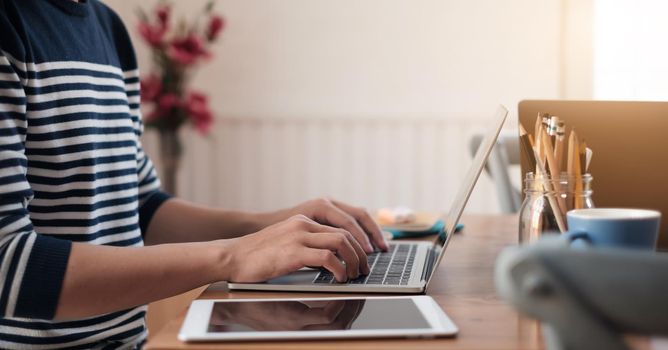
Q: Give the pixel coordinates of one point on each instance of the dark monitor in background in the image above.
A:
(630, 145)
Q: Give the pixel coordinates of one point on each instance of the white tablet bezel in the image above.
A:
(195, 325)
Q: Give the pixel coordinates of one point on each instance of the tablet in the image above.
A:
(315, 318)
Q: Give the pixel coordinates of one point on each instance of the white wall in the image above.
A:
(377, 57)
(630, 50)
(451, 60)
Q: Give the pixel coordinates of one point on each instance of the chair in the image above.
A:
(586, 298)
(505, 154)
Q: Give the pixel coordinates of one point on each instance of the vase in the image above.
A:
(170, 156)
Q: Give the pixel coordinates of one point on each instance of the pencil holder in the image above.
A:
(547, 201)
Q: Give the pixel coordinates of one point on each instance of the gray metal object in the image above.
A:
(505, 154)
(586, 298)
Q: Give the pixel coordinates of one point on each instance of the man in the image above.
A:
(86, 237)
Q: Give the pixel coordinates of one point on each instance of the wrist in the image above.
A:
(231, 224)
(258, 221)
(219, 259)
(269, 218)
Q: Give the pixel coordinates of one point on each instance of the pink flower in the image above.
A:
(153, 35)
(151, 87)
(165, 104)
(197, 107)
(216, 24)
(168, 101)
(162, 12)
(187, 50)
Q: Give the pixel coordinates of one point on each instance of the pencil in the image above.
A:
(575, 169)
(582, 155)
(554, 172)
(552, 129)
(527, 148)
(537, 142)
(589, 155)
(549, 193)
(549, 154)
(559, 145)
(572, 152)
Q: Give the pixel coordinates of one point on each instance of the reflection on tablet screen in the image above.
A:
(311, 315)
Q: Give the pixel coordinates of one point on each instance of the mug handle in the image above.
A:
(579, 236)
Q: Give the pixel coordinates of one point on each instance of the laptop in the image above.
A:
(408, 266)
(629, 141)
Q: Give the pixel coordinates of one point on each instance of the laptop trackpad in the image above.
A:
(298, 277)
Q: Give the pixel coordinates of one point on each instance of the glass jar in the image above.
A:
(542, 195)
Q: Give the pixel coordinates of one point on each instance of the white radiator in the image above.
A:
(269, 163)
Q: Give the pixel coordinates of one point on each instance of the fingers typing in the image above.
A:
(366, 222)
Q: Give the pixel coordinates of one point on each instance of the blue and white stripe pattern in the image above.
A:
(72, 168)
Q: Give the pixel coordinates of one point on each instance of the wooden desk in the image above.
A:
(463, 286)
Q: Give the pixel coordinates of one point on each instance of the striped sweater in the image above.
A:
(72, 168)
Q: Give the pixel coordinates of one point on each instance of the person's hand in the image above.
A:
(355, 220)
(292, 244)
(288, 315)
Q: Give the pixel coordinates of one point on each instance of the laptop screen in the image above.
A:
(464, 192)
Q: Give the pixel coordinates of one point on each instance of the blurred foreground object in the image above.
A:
(586, 298)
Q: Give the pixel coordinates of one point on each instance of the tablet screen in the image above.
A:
(314, 315)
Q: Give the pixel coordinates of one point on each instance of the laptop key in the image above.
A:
(389, 268)
(323, 280)
(325, 276)
(358, 280)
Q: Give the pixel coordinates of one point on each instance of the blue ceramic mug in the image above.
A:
(614, 227)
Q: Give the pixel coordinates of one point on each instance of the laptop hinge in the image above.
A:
(429, 265)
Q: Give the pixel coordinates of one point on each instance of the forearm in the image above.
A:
(102, 279)
(180, 221)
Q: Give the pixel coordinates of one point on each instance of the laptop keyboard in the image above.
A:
(392, 267)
